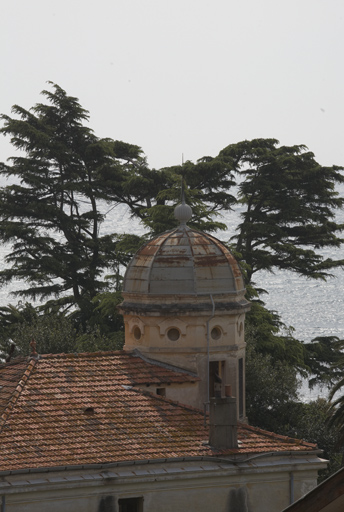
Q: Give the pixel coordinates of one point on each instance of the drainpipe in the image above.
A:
(3, 503)
(291, 488)
(206, 405)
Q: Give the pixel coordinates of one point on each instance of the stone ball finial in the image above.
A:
(183, 212)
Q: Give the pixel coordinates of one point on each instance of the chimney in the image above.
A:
(223, 423)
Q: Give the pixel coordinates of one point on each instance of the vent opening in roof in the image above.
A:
(89, 411)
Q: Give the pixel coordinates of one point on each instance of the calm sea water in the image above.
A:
(313, 308)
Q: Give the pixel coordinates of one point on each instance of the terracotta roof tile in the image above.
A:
(82, 409)
(9, 379)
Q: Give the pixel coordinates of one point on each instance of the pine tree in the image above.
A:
(63, 180)
(289, 203)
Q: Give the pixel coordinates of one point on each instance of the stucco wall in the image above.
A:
(196, 394)
(262, 486)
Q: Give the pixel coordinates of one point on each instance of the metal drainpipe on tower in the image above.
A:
(206, 404)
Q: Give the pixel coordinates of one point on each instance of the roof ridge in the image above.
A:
(71, 355)
(17, 392)
(273, 435)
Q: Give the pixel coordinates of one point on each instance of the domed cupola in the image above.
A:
(182, 262)
(184, 299)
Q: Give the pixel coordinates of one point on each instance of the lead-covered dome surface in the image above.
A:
(183, 262)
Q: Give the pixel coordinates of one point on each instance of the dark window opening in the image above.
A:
(216, 333)
(137, 333)
(241, 387)
(130, 505)
(216, 374)
(161, 391)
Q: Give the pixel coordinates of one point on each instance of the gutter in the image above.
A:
(109, 465)
(291, 488)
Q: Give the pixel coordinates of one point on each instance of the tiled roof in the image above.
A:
(10, 378)
(82, 409)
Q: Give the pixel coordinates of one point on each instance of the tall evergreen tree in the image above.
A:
(52, 211)
(288, 208)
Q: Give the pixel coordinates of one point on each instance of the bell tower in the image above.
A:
(184, 305)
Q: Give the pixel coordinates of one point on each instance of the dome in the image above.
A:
(183, 262)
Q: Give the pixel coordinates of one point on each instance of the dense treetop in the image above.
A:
(65, 179)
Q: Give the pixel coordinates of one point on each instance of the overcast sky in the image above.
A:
(184, 76)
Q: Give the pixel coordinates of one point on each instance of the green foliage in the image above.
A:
(152, 195)
(273, 363)
(11, 316)
(337, 404)
(56, 332)
(94, 341)
(272, 403)
(104, 318)
(53, 333)
(52, 213)
(323, 356)
(310, 421)
(318, 360)
(273, 338)
(289, 203)
(271, 388)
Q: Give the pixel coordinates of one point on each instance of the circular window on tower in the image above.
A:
(137, 332)
(173, 334)
(216, 333)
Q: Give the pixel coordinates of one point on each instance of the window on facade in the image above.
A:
(161, 391)
(130, 505)
(216, 374)
(137, 332)
(216, 333)
(173, 334)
